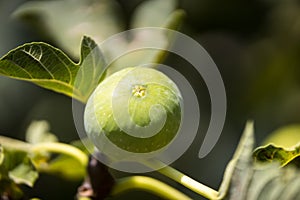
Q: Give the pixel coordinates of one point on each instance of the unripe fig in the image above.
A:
(136, 109)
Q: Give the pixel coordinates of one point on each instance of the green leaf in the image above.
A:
(146, 46)
(174, 20)
(18, 153)
(1, 155)
(17, 167)
(63, 22)
(12, 158)
(153, 13)
(272, 153)
(38, 131)
(66, 21)
(270, 182)
(91, 71)
(24, 174)
(238, 171)
(286, 137)
(247, 180)
(50, 68)
(1, 159)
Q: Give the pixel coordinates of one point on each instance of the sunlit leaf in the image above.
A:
(50, 68)
(67, 30)
(38, 131)
(1, 155)
(286, 137)
(272, 153)
(239, 170)
(247, 180)
(17, 154)
(174, 20)
(17, 167)
(66, 21)
(24, 174)
(146, 46)
(153, 13)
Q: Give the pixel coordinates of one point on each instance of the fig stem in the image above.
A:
(56, 147)
(53, 147)
(148, 184)
(183, 179)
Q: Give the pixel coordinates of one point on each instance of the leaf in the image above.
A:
(91, 71)
(24, 174)
(147, 46)
(272, 153)
(50, 68)
(269, 182)
(38, 131)
(66, 21)
(174, 20)
(238, 171)
(153, 13)
(17, 167)
(66, 25)
(1, 159)
(12, 158)
(247, 180)
(17, 152)
(286, 137)
(1, 155)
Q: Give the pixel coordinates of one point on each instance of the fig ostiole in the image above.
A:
(137, 110)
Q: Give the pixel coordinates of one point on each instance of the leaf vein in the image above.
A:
(39, 61)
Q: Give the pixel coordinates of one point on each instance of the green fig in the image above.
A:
(137, 109)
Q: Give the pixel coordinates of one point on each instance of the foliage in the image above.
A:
(22, 161)
(270, 172)
(246, 179)
(286, 136)
(50, 68)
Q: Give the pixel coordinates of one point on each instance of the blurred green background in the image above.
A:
(256, 46)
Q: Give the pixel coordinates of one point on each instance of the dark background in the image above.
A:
(256, 46)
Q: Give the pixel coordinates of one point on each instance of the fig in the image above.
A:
(136, 109)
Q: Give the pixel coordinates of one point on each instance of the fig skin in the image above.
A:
(101, 125)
